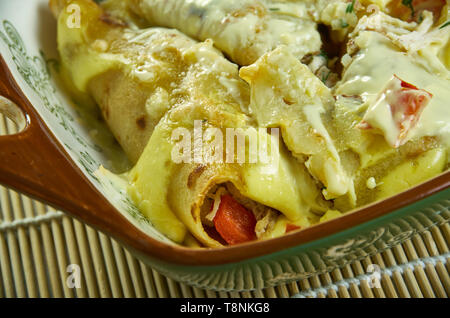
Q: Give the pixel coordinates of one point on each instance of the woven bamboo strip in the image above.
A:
(125, 278)
(136, 276)
(446, 233)
(270, 292)
(388, 289)
(258, 294)
(354, 287)
(50, 255)
(430, 271)
(73, 254)
(439, 247)
(2, 294)
(85, 260)
(293, 288)
(304, 284)
(98, 263)
(13, 249)
(246, 294)
(37, 250)
(200, 293)
(424, 285)
(282, 291)
(234, 295)
(174, 289)
(342, 291)
(222, 295)
(5, 267)
(365, 290)
(408, 274)
(60, 246)
(161, 284)
(111, 266)
(315, 284)
(25, 250)
(327, 281)
(148, 281)
(186, 291)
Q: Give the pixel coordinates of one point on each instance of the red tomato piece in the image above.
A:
(434, 6)
(412, 11)
(410, 103)
(234, 222)
(291, 227)
(406, 103)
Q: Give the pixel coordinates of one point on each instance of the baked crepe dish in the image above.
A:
(349, 97)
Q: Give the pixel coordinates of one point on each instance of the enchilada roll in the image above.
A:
(243, 30)
(151, 82)
(382, 114)
(135, 75)
(394, 89)
(286, 94)
(223, 203)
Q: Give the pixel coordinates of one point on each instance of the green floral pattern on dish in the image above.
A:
(36, 72)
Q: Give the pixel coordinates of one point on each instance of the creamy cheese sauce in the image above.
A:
(244, 29)
(376, 63)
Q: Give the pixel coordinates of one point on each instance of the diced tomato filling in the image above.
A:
(409, 106)
(412, 11)
(233, 222)
(435, 6)
(406, 103)
(291, 227)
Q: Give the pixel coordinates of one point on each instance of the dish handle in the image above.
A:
(33, 162)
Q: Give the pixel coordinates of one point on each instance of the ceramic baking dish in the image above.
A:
(54, 159)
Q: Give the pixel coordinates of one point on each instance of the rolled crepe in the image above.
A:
(284, 93)
(243, 29)
(135, 76)
(151, 82)
(281, 184)
(323, 131)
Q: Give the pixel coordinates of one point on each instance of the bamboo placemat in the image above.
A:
(37, 244)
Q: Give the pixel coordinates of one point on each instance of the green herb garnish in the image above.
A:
(274, 9)
(420, 19)
(325, 78)
(444, 25)
(344, 24)
(324, 55)
(409, 4)
(350, 7)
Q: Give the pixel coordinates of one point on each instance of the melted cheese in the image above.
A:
(377, 62)
(412, 172)
(243, 29)
(284, 93)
